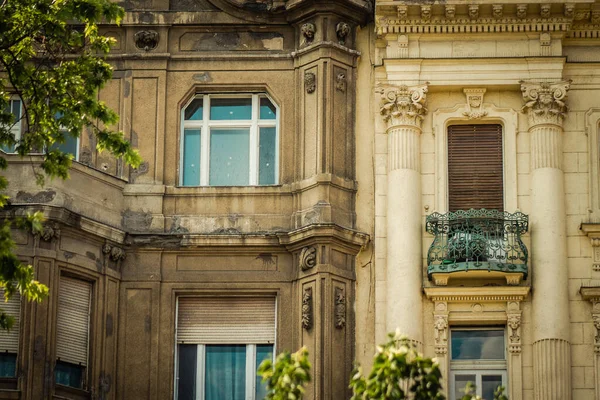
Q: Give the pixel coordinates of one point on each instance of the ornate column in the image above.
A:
(545, 106)
(403, 109)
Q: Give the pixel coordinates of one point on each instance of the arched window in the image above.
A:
(229, 140)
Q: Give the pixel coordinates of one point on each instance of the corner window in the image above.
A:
(72, 332)
(9, 340)
(220, 344)
(477, 356)
(475, 167)
(15, 108)
(229, 141)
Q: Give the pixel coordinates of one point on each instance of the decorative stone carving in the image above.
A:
(143, 169)
(310, 82)
(569, 10)
(307, 309)
(146, 40)
(545, 10)
(113, 252)
(308, 258)
(426, 13)
(595, 18)
(514, 324)
(342, 30)
(49, 232)
(545, 102)
(340, 82)
(450, 11)
(402, 12)
(497, 11)
(596, 319)
(404, 105)
(582, 15)
(440, 334)
(521, 11)
(308, 31)
(475, 103)
(474, 11)
(340, 308)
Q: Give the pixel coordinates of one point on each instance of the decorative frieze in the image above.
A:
(426, 13)
(497, 11)
(450, 11)
(545, 10)
(146, 40)
(521, 11)
(307, 309)
(403, 105)
(308, 258)
(402, 12)
(545, 101)
(340, 308)
(474, 11)
(475, 103)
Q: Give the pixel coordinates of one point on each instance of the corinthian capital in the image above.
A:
(545, 102)
(403, 105)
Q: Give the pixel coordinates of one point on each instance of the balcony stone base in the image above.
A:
(512, 278)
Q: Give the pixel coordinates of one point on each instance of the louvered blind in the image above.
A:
(9, 340)
(73, 321)
(226, 320)
(475, 172)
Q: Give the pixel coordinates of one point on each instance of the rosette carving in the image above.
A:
(545, 102)
(404, 105)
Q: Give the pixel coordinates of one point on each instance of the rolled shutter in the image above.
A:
(73, 320)
(226, 320)
(9, 340)
(475, 167)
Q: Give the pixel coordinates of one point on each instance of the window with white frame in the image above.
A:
(477, 356)
(16, 109)
(221, 341)
(9, 339)
(229, 140)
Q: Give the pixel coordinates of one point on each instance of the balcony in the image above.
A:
(477, 244)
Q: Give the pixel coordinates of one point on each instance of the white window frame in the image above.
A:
(478, 368)
(17, 128)
(205, 126)
(66, 134)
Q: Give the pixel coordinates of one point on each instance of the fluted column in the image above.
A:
(545, 106)
(403, 109)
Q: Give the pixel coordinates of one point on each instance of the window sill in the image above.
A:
(8, 384)
(208, 191)
(66, 392)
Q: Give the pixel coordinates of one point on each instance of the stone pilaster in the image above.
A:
(546, 109)
(515, 363)
(403, 109)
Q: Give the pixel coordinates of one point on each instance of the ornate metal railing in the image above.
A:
(477, 240)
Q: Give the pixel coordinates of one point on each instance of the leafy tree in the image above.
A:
(51, 59)
(286, 377)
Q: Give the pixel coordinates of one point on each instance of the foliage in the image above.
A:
(286, 377)
(50, 58)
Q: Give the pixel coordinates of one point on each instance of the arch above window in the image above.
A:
(229, 140)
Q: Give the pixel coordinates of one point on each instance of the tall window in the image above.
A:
(229, 141)
(9, 340)
(221, 341)
(477, 356)
(70, 145)
(475, 167)
(72, 332)
(15, 108)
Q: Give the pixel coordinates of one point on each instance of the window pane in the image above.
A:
(186, 389)
(263, 352)
(460, 383)
(193, 112)
(69, 146)
(225, 372)
(8, 365)
(229, 157)
(229, 109)
(489, 383)
(267, 109)
(191, 157)
(68, 374)
(475, 345)
(14, 107)
(266, 161)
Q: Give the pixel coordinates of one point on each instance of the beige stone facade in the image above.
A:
(362, 98)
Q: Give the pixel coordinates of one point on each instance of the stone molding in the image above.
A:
(592, 130)
(477, 294)
(403, 105)
(591, 291)
(545, 102)
(592, 230)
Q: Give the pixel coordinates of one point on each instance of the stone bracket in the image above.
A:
(592, 231)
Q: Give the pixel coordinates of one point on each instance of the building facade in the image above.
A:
(321, 173)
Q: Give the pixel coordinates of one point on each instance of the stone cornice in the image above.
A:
(478, 294)
(403, 105)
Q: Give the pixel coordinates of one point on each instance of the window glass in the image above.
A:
(489, 383)
(191, 157)
(68, 374)
(14, 107)
(460, 383)
(8, 365)
(267, 109)
(267, 149)
(70, 146)
(194, 111)
(476, 345)
(229, 157)
(187, 372)
(231, 109)
(263, 352)
(225, 377)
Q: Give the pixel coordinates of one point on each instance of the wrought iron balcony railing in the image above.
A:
(477, 240)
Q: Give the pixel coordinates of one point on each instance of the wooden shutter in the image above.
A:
(73, 321)
(475, 168)
(9, 340)
(226, 320)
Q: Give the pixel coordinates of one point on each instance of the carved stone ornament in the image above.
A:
(569, 10)
(474, 103)
(545, 102)
(514, 324)
(308, 258)
(521, 11)
(450, 11)
(596, 319)
(340, 82)
(545, 10)
(426, 12)
(403, 105)
(308, 31)
(49, 232)
(474, 11)
(581, 15)
(440, 334)
(497, 11)
(113, 252)
(402, 12)
(307, 309)
(146, 40)
(342, 30)
(340, 308)
(310, 82)
(595, 18)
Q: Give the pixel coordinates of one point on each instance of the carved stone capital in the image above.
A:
(403, 105)
(545, 101)
(307, 309)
